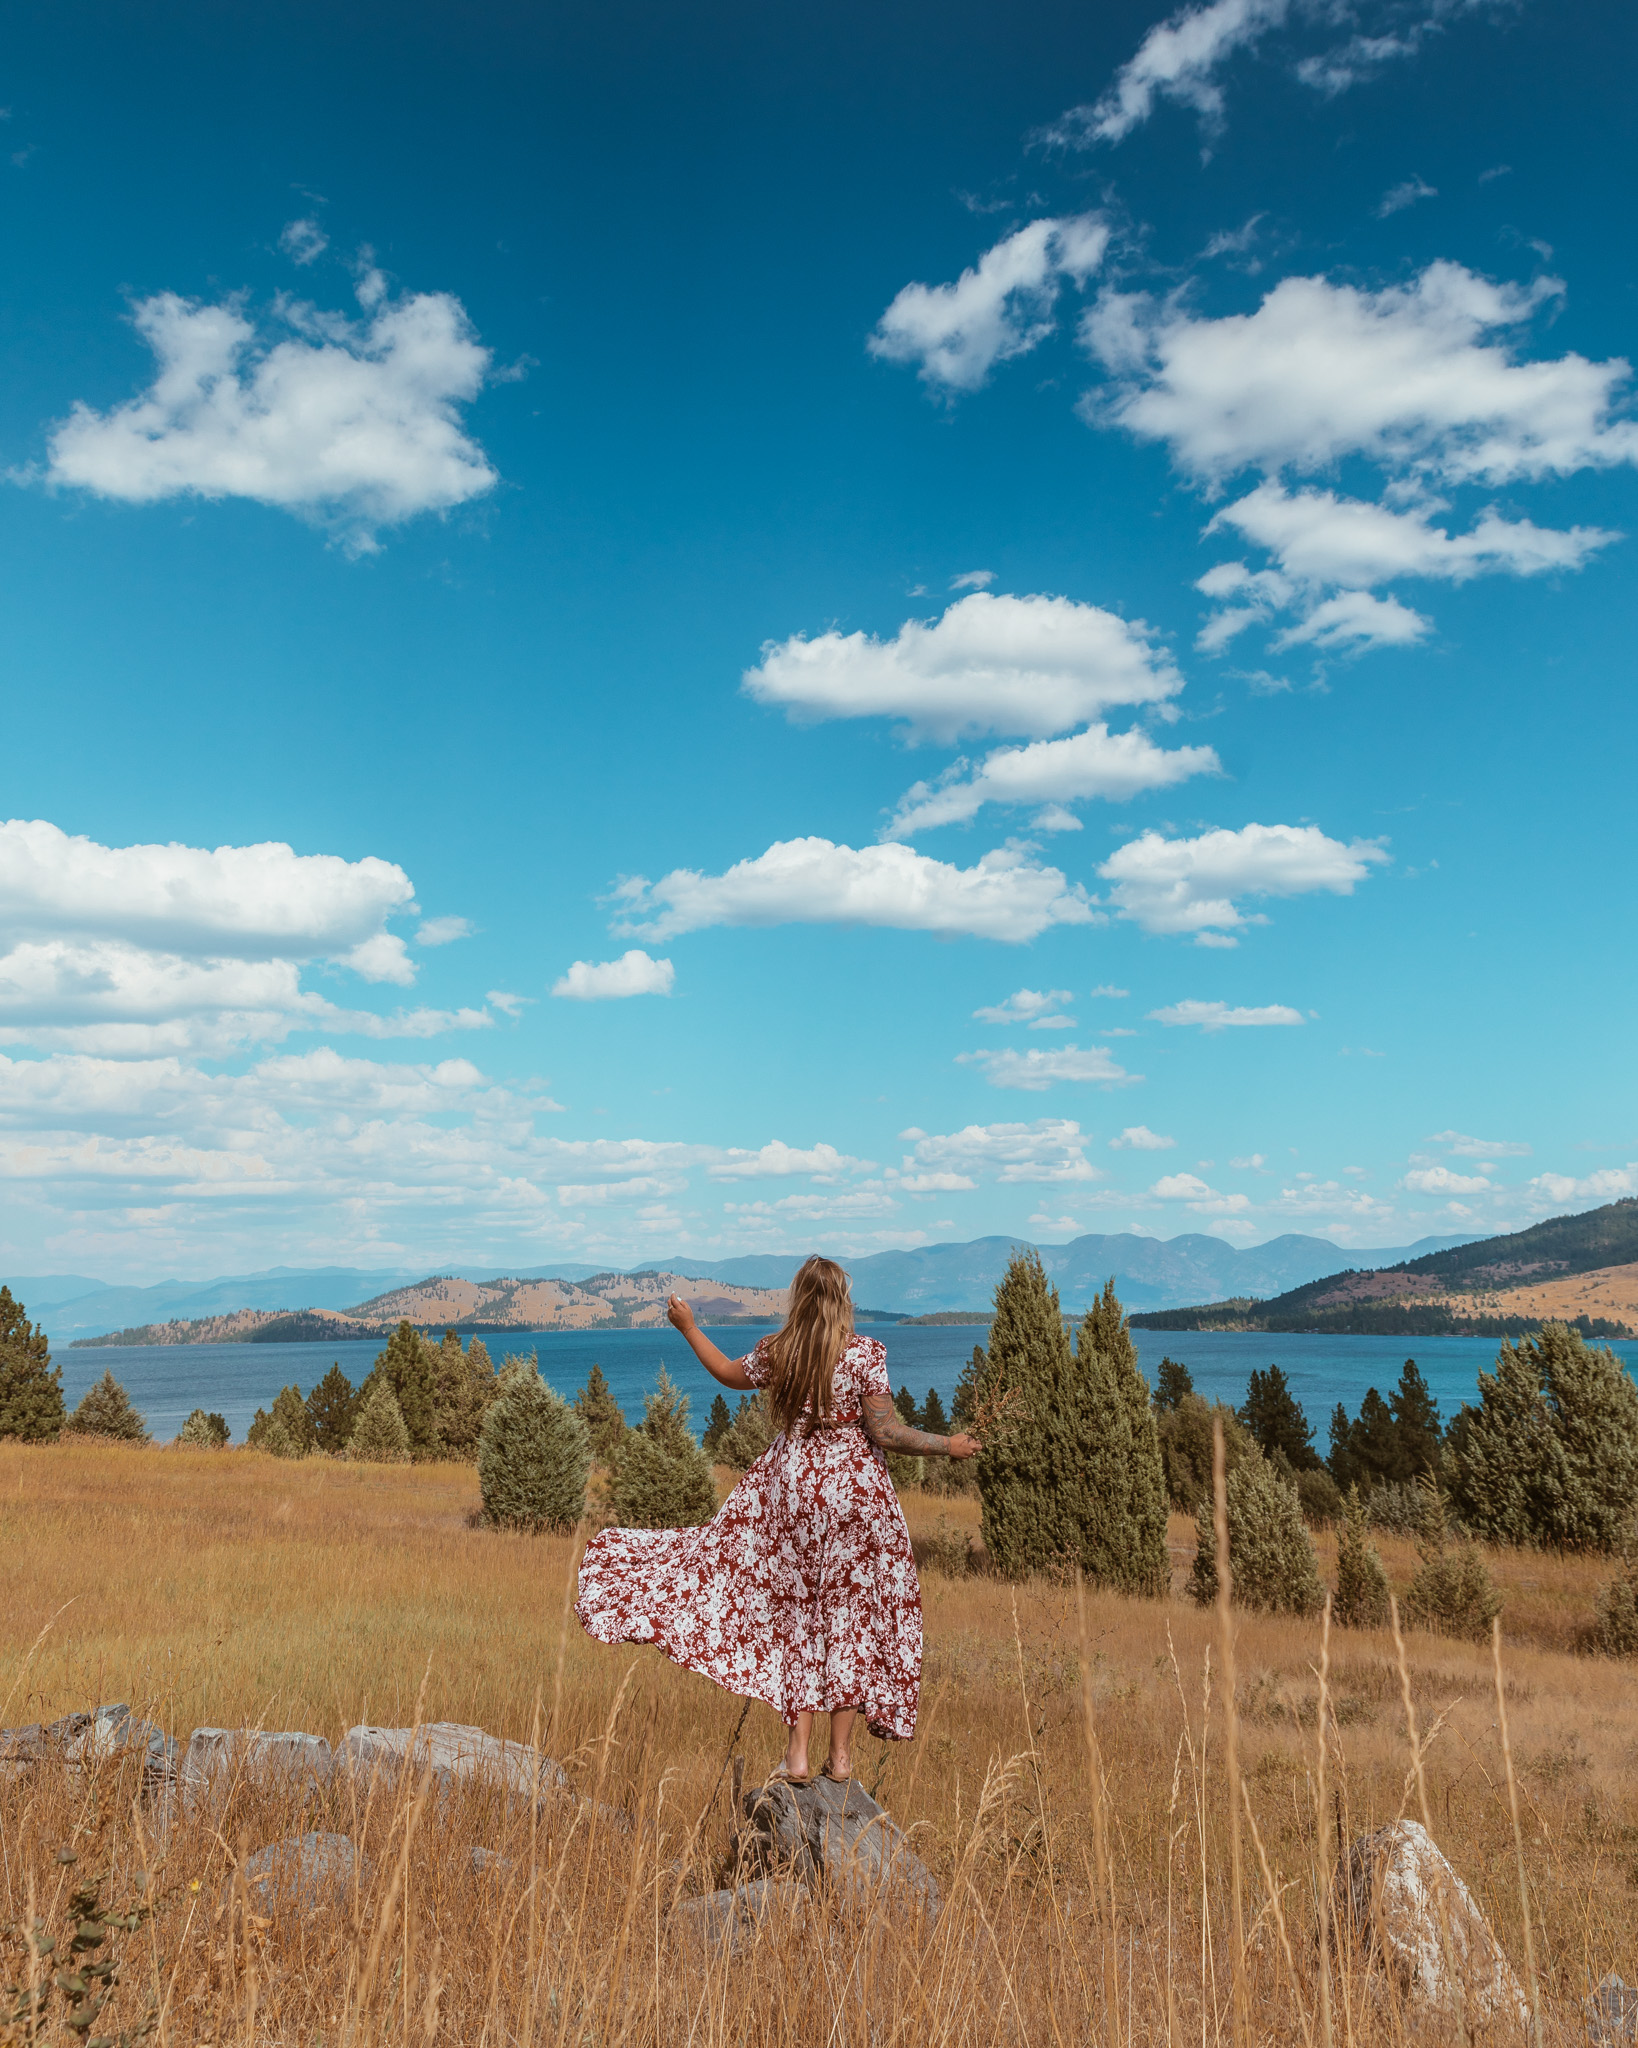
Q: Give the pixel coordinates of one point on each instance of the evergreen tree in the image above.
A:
(1416, 1423)
(933, 1418)
(406, 1368)
(717, 1426)
(964, 1405)
(905, 1402)
(290, 1430)
(1341, 1462)
(1185, 1447)
(380, 1435)
(534, 1455)
(1362, 1584)
(1452, 1593)
(1366, 1451)
(1319, 1496)
(661, 1478)
(600, 1412)
(750, 1433)
(463, 1385)
(1172, 1382)
(204, 1432)
(106, 1411)
(1273, 1415)
(1615, 1617)
(332, 1408)
(1015, 1391)
(1550, 1455)
(31, 1389)
(1271, 1555)
(256, 1435)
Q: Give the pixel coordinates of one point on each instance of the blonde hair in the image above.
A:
(803, 1353)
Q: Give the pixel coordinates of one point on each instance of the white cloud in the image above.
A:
(1006, 895)
(303, 241)
(992, 664)
(1175, 61)
(442, 931)
(778, 1161)
(818, 1208)
(1180, 1187)
(1354, 620)
(1022, 1005)
(633, 974)
(1480, 1148)
(1037, 1069)
(1139, 1138)
(1439, 1180)
(357, 424)
(1610, 1184)
(1003, 307)
(1404, 194)
(1253, 1160)
(1219, 1016)
(506, 1002)
(1094, 763)
(1426, 378)
(1190, 885)
(1107, 988)
(1050, 1150)
(973, 579)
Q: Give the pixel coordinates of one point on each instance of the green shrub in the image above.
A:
(601, 1413)
(332, 1408)
(945, 1550)
(1395, 1508)
(534, 1455)
(204, 1432)
(1362, 1584)
(380, 1435)
(1452, 1593)
(106, 1411)
(661, 1479)
(1271, 1555)
(1070, 1474)
(1550, 1454)
(1615, 1618)
(1184, 1433)
(31, 1389)
(1319, 1497)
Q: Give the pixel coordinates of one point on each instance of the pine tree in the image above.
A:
(332, 1408)
(661, 1478)
(1271, 1555)
(905, 1402)
(204, 1432)
(601, 1413)
(291, 1433)
(1172, 1382)
(1362, 1584)
(1416, 1424)
(406, 1368)
(31, 1391)
(1015, 1393)
(534, 1455)
(1273, 1415)
(1550, 1455)
(1452, 1592)
(1125, 1544)
(964, 1405)
(380, 1435)
(106, 1411)
(1185, 1447)
(933, 1418)
(463, 1385)
(750, 1433)
(717, 1426)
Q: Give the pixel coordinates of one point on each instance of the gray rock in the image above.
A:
(1612, 2013)
(838, 1835)
(218, 1758)
(490, 1862)
(455, 1755)
(90, 1738)
(304, 1872)
(1407, 1909)
(730, 1919)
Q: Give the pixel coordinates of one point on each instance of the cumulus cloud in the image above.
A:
(442, 931)
(1190, 885)
(1139, 1138)
(633, 974)
(1031, 666)
(1220, 1017)
(1039, 1069)
(303, 241)
(1354, 620)
(1439, 1180)
(357, 424)
(1177, 60)
(1006, 895)
(1094, 763)
(1480, 1148)
(778, 1161)
(817, 1208)
(1425, 377)
(1049, 1150)
(1022, 1005)
(1002, 307)
(1610, 1184)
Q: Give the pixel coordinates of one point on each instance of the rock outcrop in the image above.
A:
(218, 1758)
(729, 1920)
(835, 1835)
(86, 1739)
(455, 1755)
(304, 1873)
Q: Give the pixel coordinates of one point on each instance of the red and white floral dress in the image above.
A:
(800, 1591)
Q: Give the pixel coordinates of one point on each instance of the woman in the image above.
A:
(802, 1590)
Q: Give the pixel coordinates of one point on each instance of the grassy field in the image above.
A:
(230, 1589)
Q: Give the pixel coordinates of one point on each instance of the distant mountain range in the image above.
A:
(1575, 1269)
(1149, 1273)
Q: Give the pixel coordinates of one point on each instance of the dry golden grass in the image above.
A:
(231, 1589)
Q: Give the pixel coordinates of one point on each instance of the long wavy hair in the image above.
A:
(817, 1330)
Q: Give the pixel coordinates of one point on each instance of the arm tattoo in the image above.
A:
(888, 1430)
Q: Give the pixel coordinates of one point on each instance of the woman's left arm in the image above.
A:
(717, 1363)
(888, 1430)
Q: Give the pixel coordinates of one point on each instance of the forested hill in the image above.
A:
(1574, 1269)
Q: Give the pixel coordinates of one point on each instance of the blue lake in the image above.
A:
(167, 1381)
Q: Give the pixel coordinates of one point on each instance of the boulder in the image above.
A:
(455, 1756)
(1406, 1908)
(836, 1834)
(490, 1862)
(1612, 2013)
(729, 1919)
(217, 1758)
(83, 1739)
(304, 1872)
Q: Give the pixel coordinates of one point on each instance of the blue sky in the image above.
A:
(674, 630)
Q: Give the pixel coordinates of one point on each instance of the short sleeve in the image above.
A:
(755, 1364)
(874, 1380)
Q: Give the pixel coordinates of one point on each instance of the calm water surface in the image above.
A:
(167, 1381)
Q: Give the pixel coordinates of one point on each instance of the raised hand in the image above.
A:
(679, 1314)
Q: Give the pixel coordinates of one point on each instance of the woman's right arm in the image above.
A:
(717, 1363)
(888, 1431)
